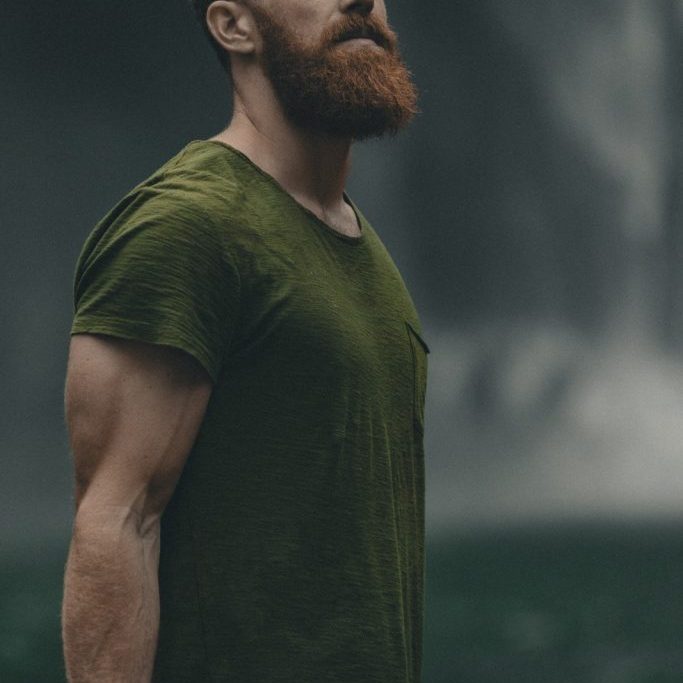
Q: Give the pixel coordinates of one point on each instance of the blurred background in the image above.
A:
(534, 209)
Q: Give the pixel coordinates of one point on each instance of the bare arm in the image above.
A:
(133, 411)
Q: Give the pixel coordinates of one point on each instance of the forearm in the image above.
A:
(110, 613)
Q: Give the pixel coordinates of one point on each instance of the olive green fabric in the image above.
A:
(293, 547)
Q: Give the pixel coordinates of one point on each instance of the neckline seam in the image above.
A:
(347, 239)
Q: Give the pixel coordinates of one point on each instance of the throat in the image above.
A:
(344, 222)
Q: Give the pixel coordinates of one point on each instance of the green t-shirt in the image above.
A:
(292, 549)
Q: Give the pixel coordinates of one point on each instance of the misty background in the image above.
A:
(534, 209)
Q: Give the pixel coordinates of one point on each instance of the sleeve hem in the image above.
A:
(150, 336)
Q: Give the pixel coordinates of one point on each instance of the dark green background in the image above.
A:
(550, 604)
(534, 209)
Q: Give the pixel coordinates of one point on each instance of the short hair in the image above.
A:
(200, 7)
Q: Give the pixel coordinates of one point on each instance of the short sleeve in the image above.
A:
(158, 271)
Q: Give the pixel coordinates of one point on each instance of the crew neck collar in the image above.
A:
(348, 239)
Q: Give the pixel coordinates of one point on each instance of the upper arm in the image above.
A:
(133, 410)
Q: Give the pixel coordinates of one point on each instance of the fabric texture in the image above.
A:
(292, 549)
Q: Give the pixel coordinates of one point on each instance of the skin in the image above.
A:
(133, 410)
(313, 169)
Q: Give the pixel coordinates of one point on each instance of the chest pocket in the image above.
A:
(419, 351)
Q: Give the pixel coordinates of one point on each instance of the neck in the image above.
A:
(312, 168)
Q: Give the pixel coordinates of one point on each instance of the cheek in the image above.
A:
(381, 10)
(305, 19)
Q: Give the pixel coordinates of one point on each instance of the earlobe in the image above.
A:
(231, 26)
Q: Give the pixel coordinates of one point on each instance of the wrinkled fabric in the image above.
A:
(292, 549)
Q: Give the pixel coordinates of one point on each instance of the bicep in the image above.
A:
(133, 410)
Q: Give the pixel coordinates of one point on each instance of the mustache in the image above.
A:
(356, 26)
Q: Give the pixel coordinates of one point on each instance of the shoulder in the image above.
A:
(198, 184)
(196, 197)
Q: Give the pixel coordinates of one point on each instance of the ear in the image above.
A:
(232, 26)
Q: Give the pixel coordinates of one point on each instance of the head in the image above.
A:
(326, 82)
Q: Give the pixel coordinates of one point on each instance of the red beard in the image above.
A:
(339, 91)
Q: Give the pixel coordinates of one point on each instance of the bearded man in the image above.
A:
(246, 383)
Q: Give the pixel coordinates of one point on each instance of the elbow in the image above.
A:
(123, 515)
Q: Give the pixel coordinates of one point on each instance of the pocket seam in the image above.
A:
(414, 338)
(418, 336)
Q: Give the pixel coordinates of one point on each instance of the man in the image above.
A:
(246, 360)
